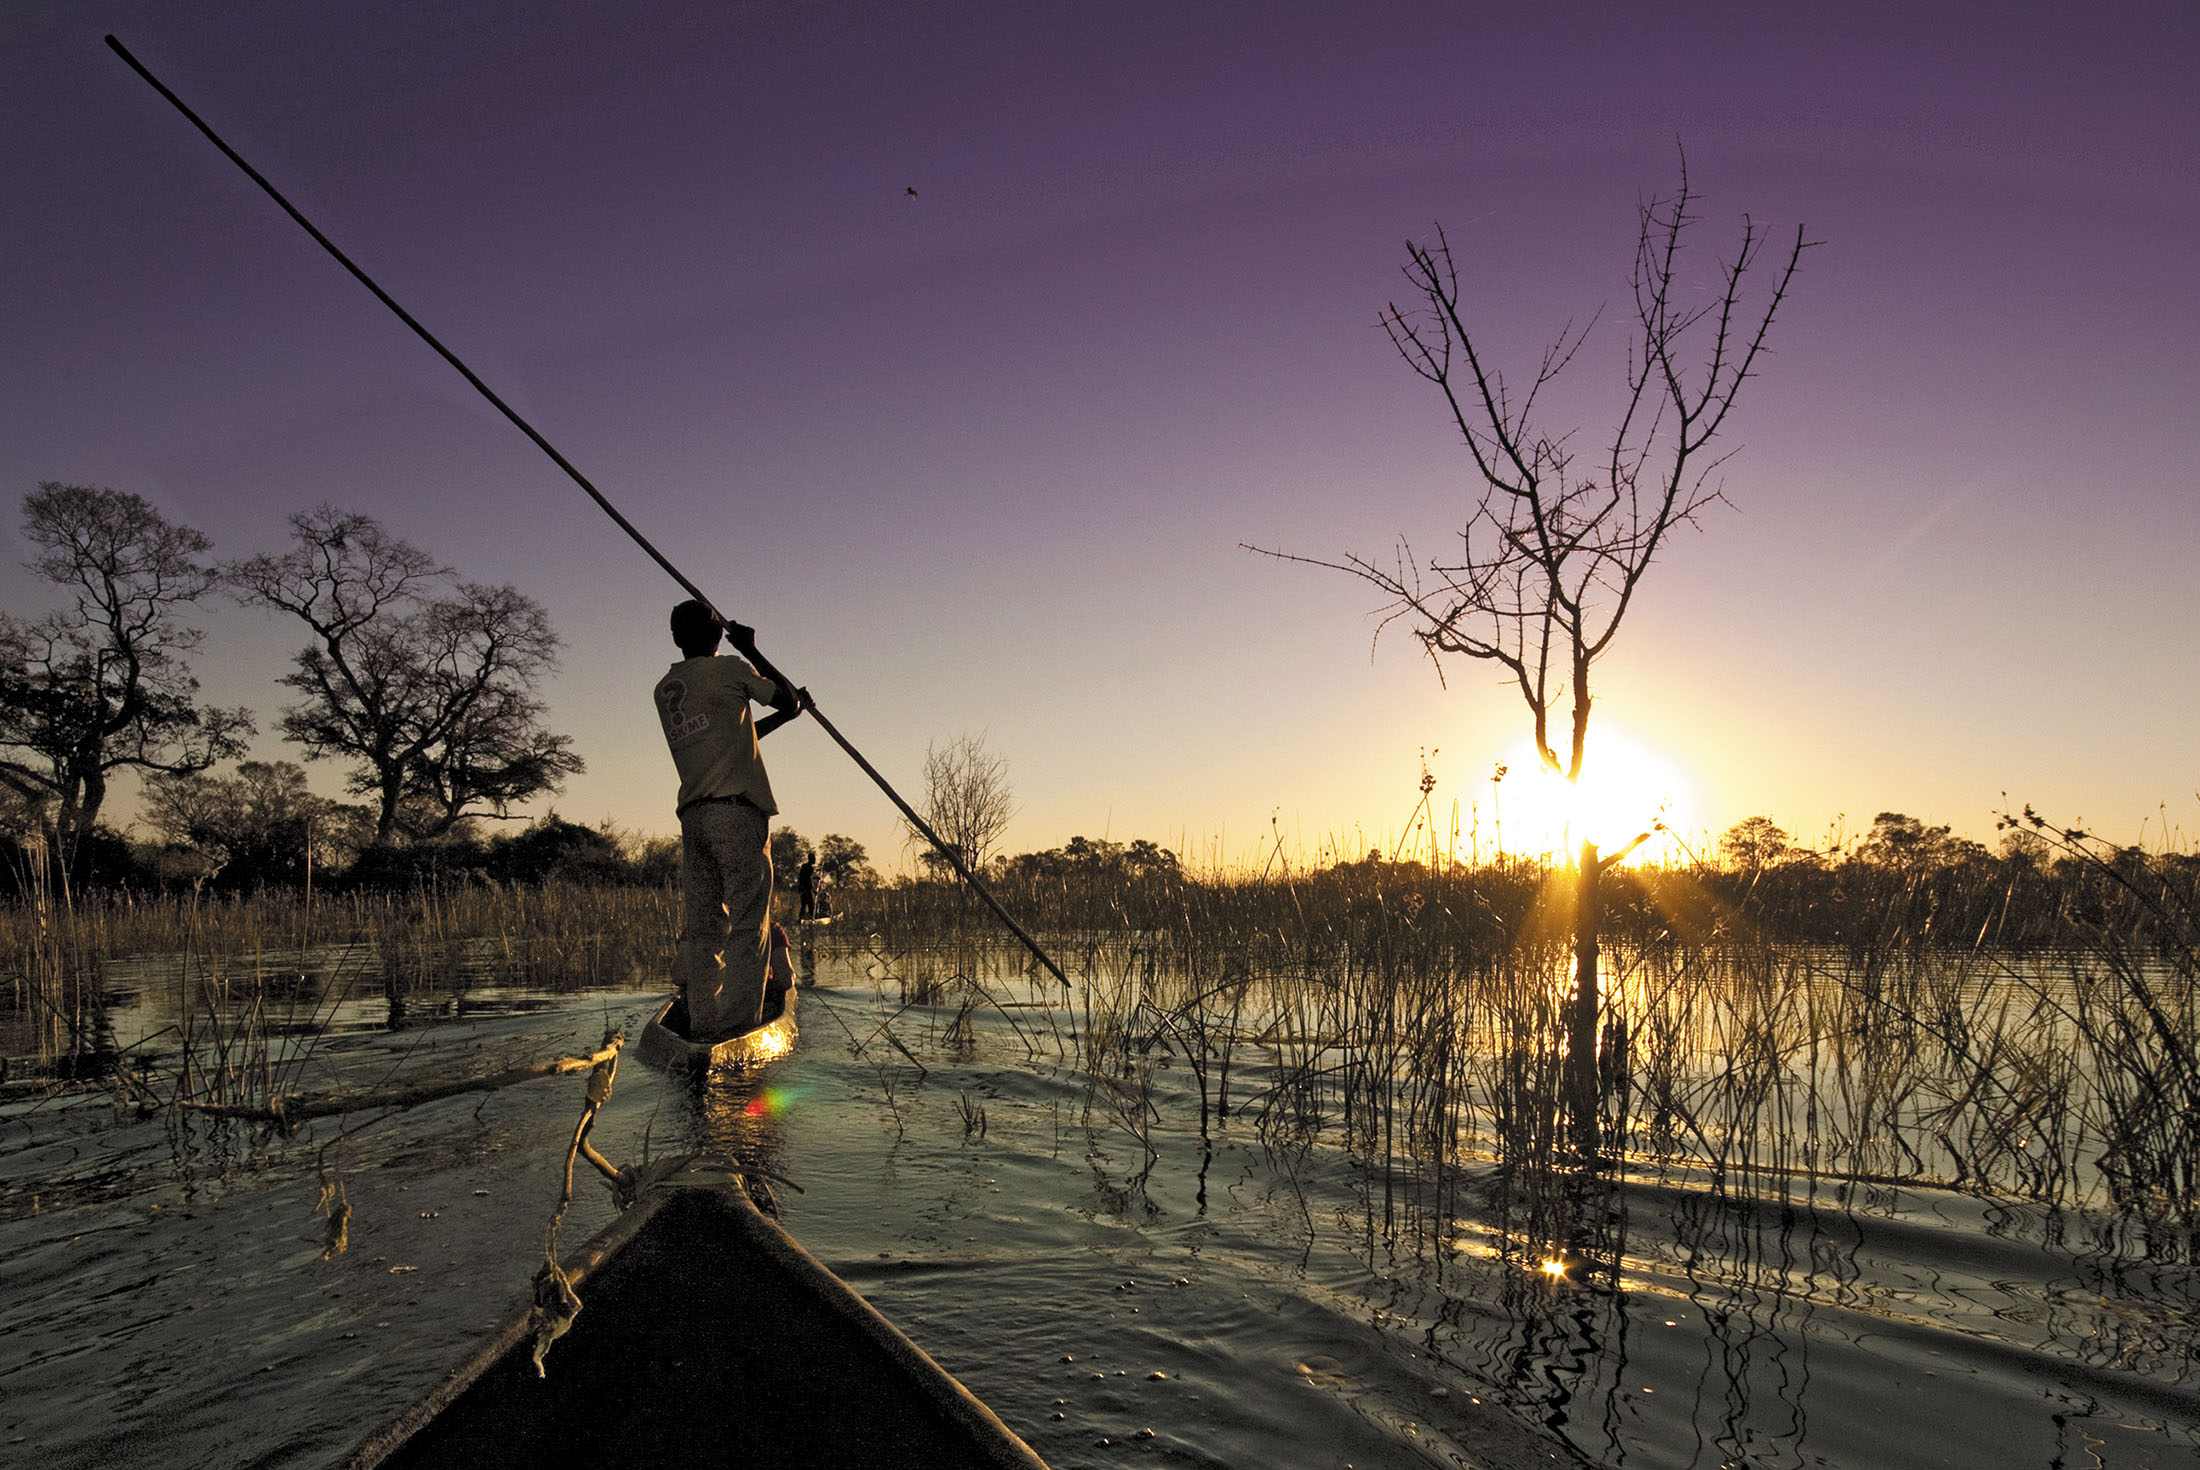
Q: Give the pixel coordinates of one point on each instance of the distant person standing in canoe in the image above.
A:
(725, 807)
(806, 884)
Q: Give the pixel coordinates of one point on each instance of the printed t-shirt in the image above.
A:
(704, 704)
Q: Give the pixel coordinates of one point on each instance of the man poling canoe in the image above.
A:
(725, 805)
(917, 823)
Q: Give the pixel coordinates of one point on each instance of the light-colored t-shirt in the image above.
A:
(704, 704)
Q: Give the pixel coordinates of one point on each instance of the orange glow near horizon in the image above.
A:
(1626, 787)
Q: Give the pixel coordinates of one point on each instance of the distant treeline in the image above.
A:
(296, 840)
(1903, 883)
(418, 683)
(295, 857)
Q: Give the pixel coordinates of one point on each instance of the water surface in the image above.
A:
(1117, 1289)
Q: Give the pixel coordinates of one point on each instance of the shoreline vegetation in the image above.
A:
(1915, 1012)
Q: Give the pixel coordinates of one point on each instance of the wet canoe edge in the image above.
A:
(664, 1045)
(707, 1336)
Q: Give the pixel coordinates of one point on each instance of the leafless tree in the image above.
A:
(967, 798)
(424, 686)
(1555, 548)
(1556, 544)
(104, 683)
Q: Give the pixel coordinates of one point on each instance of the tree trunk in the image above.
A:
(94, 798)
(82, 794)
(385, 818)
(1581, 1040)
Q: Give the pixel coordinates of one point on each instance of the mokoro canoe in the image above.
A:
(665, 1044)
(706, 1336)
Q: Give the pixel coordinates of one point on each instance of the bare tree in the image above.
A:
(424, 686)
(1556, 544)
(967, 799)
(104, 683)
(487, 647)
(1553, 552)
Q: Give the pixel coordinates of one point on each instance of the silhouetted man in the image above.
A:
(725, 807)
(806, 885)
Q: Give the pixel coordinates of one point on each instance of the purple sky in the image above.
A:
(981, 461)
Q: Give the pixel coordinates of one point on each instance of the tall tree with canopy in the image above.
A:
(1556, 544)
(422, 682)
(842, 862)
(261, 825)
(1756, 843)
(104, 683)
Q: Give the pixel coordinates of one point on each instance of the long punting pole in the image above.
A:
(954, 858)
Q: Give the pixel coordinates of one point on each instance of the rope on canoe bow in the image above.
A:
(946, 851)
(556, 1302)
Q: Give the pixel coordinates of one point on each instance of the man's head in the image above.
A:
(696, 629)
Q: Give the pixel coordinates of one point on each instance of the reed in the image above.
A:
(2020, 1031)
(252, 984)
(2026, 1031)
(51, 963)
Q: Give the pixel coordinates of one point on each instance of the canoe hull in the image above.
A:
(663, 1043)
(706, 1336)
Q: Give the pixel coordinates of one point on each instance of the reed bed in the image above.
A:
(557, 933)
(2044, 1052)
(254, 982)
(2027, 1034)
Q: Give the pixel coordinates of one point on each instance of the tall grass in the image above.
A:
(2020, 1032)
(2028, 1032)
(257, 980)
(52, 984)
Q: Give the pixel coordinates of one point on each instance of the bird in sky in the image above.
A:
(912, 191)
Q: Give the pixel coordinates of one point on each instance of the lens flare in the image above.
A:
(769, 1102)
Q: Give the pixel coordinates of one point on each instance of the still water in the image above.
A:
(164, 1299)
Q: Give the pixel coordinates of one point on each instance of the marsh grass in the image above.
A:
(1410, 1016)
(2012, 1032)
(252, 985)
(52, 969)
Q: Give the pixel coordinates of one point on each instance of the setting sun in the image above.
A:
(1625, 788)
